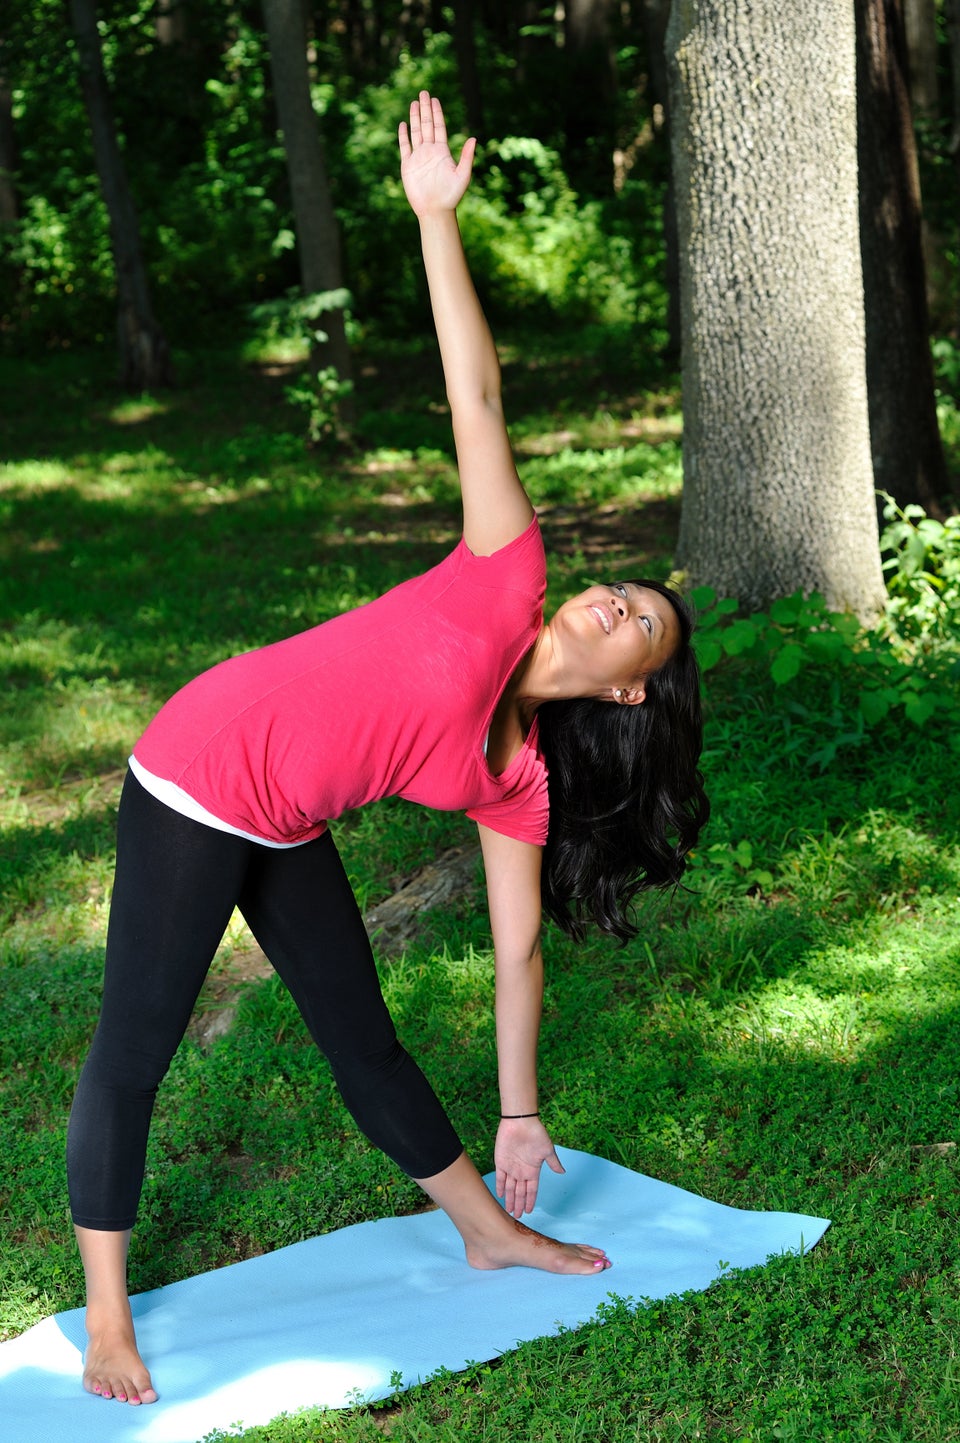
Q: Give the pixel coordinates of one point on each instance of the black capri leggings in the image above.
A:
(177, 883)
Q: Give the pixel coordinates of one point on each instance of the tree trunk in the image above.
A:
(952, 8)
(144, 353)
(9, 210)
(656, 13)
(318, 234)
(590, 93)
(778, 486)
(904, 435)
(465, 46)
(920, 29)
(171, 22)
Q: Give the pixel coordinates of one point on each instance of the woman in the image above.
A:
(438, 692)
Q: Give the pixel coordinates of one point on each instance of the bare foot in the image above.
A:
(517, 1246)
(113, 1368)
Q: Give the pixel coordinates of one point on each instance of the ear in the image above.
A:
(629, 695)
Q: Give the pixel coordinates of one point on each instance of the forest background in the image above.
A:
(784, 1034)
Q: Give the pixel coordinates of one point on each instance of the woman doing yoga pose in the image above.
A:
(573, 744)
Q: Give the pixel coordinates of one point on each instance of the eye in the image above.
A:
(619, 586)
(647, 621)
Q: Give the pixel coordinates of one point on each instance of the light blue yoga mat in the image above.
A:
(333, 1321)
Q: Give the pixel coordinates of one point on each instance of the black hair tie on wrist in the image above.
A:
(512, 1116)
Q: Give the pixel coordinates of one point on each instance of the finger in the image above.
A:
(465, 163)
(554, 1163)
(415, 135)
(403, 136)
(439, 124)
(426, 117)
(501, 1182)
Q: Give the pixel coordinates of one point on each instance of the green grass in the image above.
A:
(782, 1035)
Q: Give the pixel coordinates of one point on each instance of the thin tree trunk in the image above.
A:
(318, 234)
(656, 13)
(920, 28)
(590, 92)
(778, 485)
(465, 45)
(904, 435)
(144, 354)
(952, 8)
(9, 210)
(171, 22)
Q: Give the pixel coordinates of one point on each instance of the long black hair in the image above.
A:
(626, 796)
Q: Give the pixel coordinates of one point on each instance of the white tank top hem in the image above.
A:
(180, 801)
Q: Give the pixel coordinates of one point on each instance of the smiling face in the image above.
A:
(610, 638)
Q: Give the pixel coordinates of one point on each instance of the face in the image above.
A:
(610, 638)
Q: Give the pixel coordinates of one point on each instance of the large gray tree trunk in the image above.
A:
(778, 486)
(318, 234)
(144, 353)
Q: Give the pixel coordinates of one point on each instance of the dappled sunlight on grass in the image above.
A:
(34, 476)
(133, 412)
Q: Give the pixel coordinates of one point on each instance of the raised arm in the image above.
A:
(495, 506)
(513, 890)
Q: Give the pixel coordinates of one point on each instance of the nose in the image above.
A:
(618, 605)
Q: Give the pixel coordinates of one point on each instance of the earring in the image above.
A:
(618, 693)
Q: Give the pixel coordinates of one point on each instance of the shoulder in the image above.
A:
(518, 564)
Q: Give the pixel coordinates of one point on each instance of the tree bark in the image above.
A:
(318, 234)
(171, 22)
(908, 456)
(465, 46)
(778, 485)
(952, 8)
(656, 13)
(9, 209)
(590, 92)
(920, 29)
(144, 354)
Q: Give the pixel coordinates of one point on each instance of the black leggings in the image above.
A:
(177, 883)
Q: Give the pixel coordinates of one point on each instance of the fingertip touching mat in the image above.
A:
(336, 1320)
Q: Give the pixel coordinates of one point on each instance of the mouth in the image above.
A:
(602, 616)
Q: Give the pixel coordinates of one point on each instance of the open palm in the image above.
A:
(432, 179)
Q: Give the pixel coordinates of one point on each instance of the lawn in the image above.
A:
(784, 1034)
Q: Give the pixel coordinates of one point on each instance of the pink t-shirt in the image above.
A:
(394, 698)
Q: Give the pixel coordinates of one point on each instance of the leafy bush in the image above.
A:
(852, 679)
(923, 578)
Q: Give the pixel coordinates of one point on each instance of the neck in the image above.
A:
(535, 681)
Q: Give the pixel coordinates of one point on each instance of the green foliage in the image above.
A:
(320, 395)
(296, 320)
(537, 243)
(839, 681)
(923, 578)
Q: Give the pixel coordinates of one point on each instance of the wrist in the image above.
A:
(516, 1116)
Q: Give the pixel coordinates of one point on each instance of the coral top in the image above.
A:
(394, 698)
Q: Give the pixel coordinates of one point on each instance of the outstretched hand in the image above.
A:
(432, 179)
(521, 1148)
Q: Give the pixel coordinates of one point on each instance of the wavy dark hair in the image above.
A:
(626, 796)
